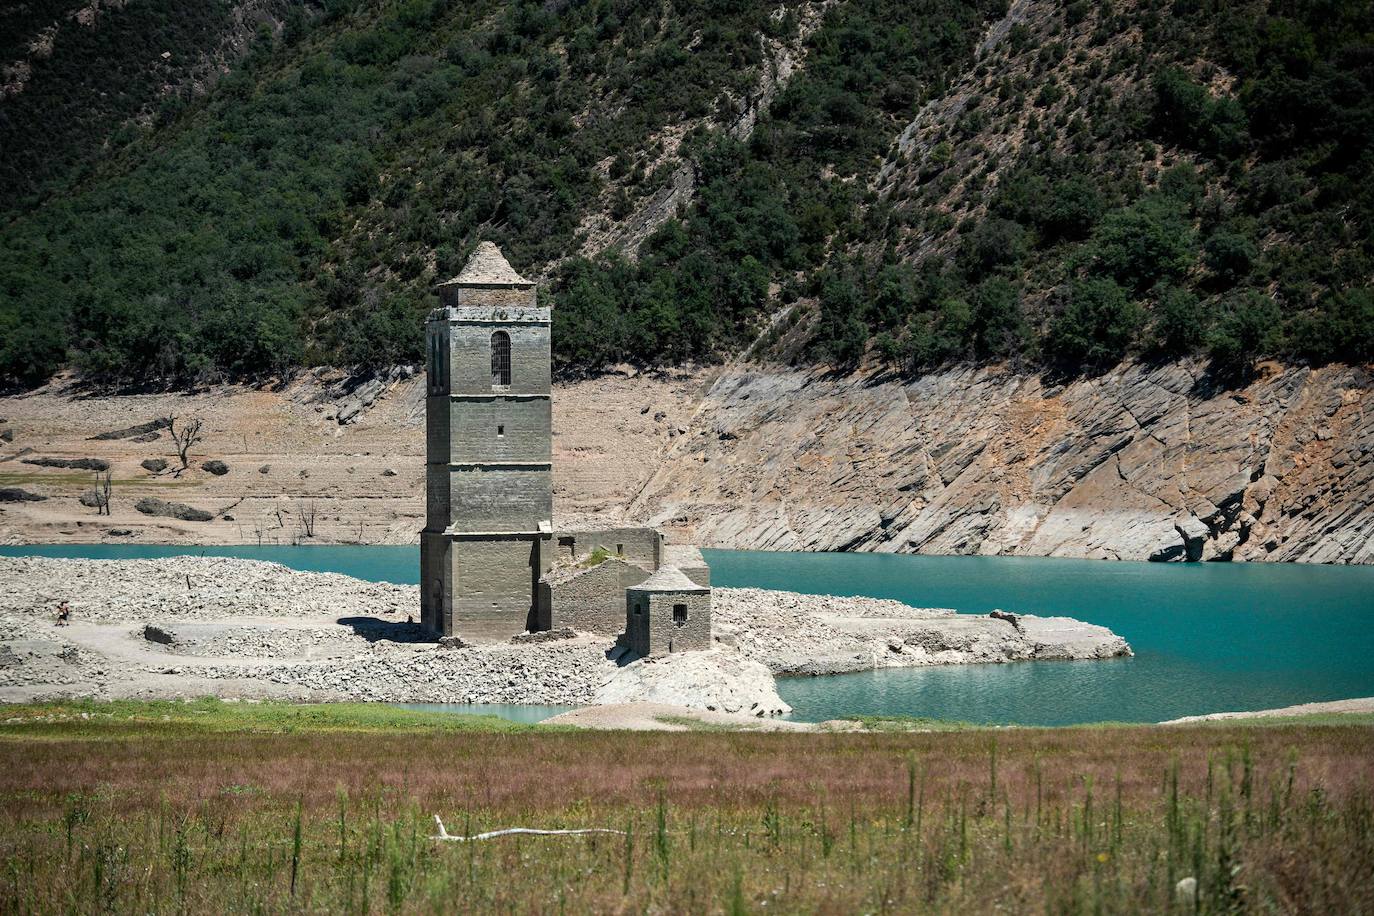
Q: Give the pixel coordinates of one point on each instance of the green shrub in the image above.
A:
(1179, 324)
(998, 327)
(944, 335)
(1340, 328)
(993, 244)
(842, 334)
(1096, 325)
(1248, 328)
(1187, 115)
(1229, 255)
(1051, 197)
(1139, 245)
(30, 351)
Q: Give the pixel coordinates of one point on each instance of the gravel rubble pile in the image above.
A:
(825, 634)
(190, 588)
(211, 640)
(246, 628)
(568, 674)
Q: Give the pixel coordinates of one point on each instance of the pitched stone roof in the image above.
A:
(569, 571)
(488, 267)
(668, 579)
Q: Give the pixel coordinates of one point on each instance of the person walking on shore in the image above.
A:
(64, 614)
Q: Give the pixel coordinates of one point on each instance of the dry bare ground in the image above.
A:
(290, 461)
(1144, 462)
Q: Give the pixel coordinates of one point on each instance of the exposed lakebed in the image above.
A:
(1208, 637)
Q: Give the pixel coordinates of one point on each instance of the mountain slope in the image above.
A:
(300, 212)
(917, 184)
(1124, 179)
(1027, 277)
(961, 461)
(82, 77)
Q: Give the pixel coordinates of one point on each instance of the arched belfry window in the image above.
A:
(500, 358)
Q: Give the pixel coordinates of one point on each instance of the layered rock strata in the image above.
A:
(1145, 462)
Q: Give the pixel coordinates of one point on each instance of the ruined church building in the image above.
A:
(491, 564)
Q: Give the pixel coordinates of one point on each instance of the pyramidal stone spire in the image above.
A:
(668, 579)
(488, 267)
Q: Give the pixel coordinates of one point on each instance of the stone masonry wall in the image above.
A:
(501, 499)
(501, 297)
(493, 588)
(652, 630)
(435, 569)
(529, 357)
(642, 547)
(593, 600)
(500, 429)
(688, 559)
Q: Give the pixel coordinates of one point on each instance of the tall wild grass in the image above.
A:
(1274, 819)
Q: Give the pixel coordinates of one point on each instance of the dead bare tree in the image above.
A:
(185, 438)
(104, 484)
(305, 516)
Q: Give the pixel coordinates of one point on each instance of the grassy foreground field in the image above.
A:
(211, 807)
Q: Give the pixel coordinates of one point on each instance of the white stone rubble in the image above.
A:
(244, 628)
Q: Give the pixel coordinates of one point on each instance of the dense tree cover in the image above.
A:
(1258, 239)
(303, 209)
(1209, 194)
(93, 79)
(775, 207)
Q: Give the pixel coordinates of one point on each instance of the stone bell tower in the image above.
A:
(488, 453)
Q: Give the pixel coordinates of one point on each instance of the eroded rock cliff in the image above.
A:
(1146, 462)
(1142, 462)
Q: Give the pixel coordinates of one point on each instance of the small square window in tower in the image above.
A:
(680, 615)
(500, 360)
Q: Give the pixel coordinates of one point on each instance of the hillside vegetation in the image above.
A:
(1089, 181)
(1114, 180)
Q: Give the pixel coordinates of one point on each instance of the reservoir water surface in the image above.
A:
(1208, 637)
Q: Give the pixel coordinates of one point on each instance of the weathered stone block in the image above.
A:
(151, 505)
(18, 495)
(1194, 533)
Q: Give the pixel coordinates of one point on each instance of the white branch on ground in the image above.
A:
(445, 835)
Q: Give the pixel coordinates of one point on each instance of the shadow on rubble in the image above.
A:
(374, 629)
(621, 655)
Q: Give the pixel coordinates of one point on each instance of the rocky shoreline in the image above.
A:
(795, 634)
(196, 626)
(1144, 462)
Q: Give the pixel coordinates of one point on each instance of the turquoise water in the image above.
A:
(1208, 637)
